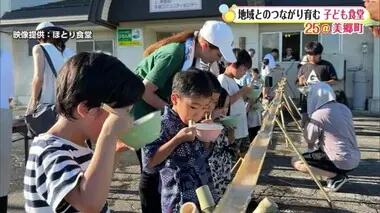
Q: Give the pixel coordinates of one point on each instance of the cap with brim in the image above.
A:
(220, 35)
(228, 54)
(47, 26)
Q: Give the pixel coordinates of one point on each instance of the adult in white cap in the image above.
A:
(6, 95)
(162, 61)
(44, 78)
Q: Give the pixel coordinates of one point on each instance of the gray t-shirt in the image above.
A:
(332, 128)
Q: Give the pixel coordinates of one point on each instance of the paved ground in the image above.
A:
(293, 191)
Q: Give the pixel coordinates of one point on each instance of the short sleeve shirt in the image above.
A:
(159, 68)
(55, 167)
(237, 108)
(323, 71)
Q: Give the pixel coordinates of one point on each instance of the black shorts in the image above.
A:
(268, 81)
(320, 160)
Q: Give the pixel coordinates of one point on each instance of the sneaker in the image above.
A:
(334, 184)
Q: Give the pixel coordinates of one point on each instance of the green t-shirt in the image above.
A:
(159, 68)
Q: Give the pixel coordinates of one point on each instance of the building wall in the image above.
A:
(352, 51)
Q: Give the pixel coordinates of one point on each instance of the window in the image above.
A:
(93, 46)
(291, 45)
(269, 41)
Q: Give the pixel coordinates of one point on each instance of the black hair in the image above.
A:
(274, 51)
(314, 48)
(242, 58)
(216, 87)
(222, 100)
(96, 78)
(222, 67)
(256, 70)
(266, 61)
(192, 84)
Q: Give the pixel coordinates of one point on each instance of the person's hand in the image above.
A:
(122, 147)
(302, 80)
(186, 134)
(247, 89)
(230, 135)
(118, 121)
(219, 112)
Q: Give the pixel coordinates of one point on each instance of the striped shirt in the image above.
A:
(54, 168)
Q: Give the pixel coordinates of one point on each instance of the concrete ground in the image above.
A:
(291, 190)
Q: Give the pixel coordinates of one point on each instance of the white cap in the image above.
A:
(44, 25)
(220, 35)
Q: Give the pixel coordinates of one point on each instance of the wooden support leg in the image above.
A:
(304, 161)
(283, 123)
(294, 119)
(294, 106)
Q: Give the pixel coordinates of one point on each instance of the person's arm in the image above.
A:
(67, 183)
(151, 97)
(38, 77)
(165, 150)
(332, 74)
(240, 94)
(312, 132)
(165, 66)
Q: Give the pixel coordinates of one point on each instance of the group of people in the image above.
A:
(63, 172)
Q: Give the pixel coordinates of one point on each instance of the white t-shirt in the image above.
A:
(265, 71)
(271, 65)
(237, 108)
(254, 118)
(6, 79)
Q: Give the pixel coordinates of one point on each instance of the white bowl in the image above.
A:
(208, 132)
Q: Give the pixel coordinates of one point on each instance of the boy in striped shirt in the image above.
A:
(62, 173)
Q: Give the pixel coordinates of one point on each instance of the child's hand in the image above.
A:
(230, 135)
(219, 112)
(247, 89)
(186, 134)
(118, 122)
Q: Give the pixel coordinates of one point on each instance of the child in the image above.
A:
(62, 173)
(220, 160)
(253, 108)
(268, 80)
(236, 71)
(180, 158)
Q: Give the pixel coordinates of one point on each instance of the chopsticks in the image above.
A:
(208, 116)
(191, 123)
(108, 108)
